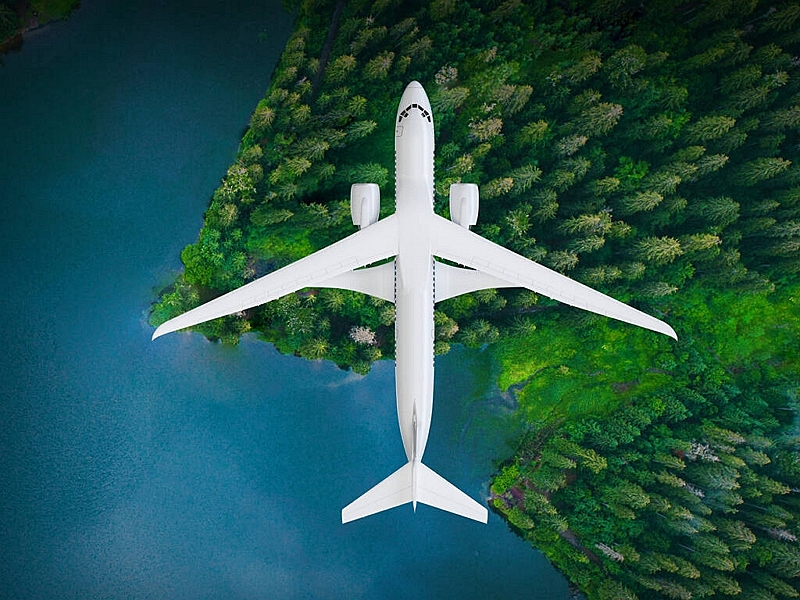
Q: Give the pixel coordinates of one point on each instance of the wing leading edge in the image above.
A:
(372, 244)
(454, 243)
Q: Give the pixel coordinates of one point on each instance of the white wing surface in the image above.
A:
(375, 281)
(435, 490)
(454, 281)
(374, 243)
(454, 243)
(393, 491)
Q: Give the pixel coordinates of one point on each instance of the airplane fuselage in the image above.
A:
(415, 282)
(414, 289)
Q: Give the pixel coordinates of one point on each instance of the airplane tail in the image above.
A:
(414, 482)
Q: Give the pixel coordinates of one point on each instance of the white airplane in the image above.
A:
(414, 280)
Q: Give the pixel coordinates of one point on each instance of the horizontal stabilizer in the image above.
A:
(435, 490)
(392, 491)
(429, 488)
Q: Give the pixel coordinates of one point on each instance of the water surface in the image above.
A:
(180, 468)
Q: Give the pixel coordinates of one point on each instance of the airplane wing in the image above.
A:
(369, 245)
(457, 244)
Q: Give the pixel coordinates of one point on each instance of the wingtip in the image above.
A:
(160, 330)
(171, 326)
(667, 330)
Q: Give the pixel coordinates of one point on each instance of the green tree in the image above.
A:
(497, 187)
(599, 119)
(368, 173)
(360, 129)
(562, 260)
(315, 348)
(440, 9)
(621, 66)
(524, 177)
(760, 169)
(787, 118)
(9, 22)
(378, 67)
(641, 201)
(340, 67)
(263, 117)
(448, 100)
(486, 129)
(311, 148)
(709, 128)
(534, 132)
(518, 221)
(720, 211)
(659, 250)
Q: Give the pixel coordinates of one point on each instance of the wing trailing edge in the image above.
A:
(376, 281)
(454, 281)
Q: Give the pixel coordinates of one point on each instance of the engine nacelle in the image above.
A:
(365, 203)
(464, 204)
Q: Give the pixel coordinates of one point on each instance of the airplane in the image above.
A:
(407, 246)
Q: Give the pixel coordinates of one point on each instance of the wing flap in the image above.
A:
(374, 243)
(454, 243)
(375, 281)
(454, 281)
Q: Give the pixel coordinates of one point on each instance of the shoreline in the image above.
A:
(30, 20)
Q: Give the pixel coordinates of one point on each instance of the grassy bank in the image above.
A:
(680, 486)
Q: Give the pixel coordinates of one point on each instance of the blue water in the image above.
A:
(180, 468)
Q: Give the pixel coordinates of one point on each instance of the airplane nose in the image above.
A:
(414, 96)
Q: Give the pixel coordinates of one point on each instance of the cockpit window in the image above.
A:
(404, 112)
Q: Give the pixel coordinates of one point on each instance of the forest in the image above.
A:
(649, 150)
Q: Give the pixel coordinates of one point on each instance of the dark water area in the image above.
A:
(180, 468)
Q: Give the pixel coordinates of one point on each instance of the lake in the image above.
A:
(180, 468)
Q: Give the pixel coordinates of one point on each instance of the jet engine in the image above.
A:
(464, 204)
(365, 203)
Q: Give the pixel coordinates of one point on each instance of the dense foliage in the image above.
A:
(688, 487)
(9, 22)
(649, 150)
(636, 161)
